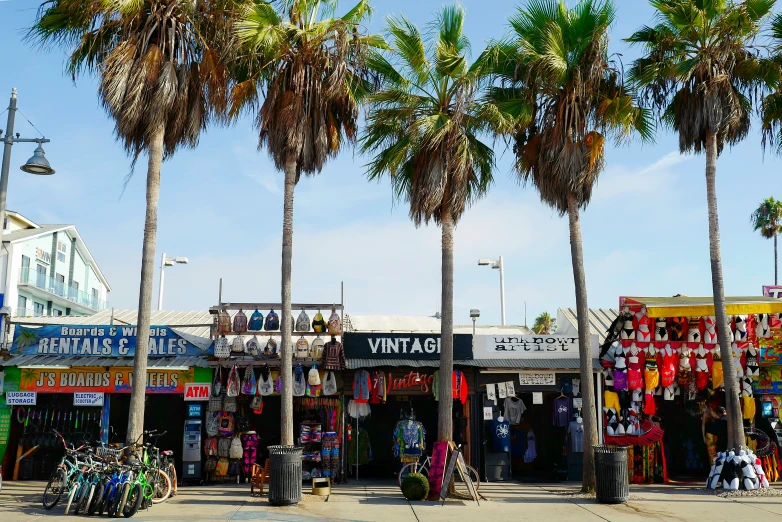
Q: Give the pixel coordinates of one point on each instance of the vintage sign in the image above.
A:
(530, 347)
(21, 398)
(412, 380)
(100, 379)
(197, 391)
(403, 346)
(105, 341)
(537, 379)
(88, 399)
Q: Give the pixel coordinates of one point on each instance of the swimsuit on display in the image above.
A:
(643, 334)
(668, 368)
(676, 325)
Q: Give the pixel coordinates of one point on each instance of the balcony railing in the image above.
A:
(29, 276)
(29, 312)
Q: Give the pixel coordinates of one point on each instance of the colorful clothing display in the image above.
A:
(362, 385)
(500, 432)
(378, 393)
(333, 357)
(458, 386)
(513, 409)
(563, 412)
(409, 440)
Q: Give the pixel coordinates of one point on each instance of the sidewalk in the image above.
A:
(370, 501)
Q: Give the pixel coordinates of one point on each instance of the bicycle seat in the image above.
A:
(167, 453)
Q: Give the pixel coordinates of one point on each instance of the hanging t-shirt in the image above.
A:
(576, 431)
(562, 412)
(514, 408)
(501, 435)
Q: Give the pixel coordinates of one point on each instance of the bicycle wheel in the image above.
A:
(82, 500)
(161, 485)
(461, 487)
(134, 501)
(119, 502)
(97, 499)
(54, 489)
(412, 467)
(171, 472)
(71, 495)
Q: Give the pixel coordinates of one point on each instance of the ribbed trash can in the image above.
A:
(284, 475)
(611, 473)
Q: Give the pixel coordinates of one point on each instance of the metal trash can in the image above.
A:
(284, 475)
(612, 484)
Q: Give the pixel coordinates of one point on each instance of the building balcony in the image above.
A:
(64, 295)
(29, 312)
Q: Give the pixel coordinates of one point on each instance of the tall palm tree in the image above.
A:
(700, 73)
(311, 70)
(563, 97)
(423, 129)
(767, 220)
(544, 324)
(162, 76)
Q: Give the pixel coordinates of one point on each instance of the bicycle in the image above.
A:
(161, 483)
(164, 460)
(63, 475)
(423, 469)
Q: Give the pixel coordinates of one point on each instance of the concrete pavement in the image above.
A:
(370, 501)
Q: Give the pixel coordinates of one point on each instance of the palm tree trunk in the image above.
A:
(584, 347)
(776, 260)
(138, 392)
(735, 418)
(286, 348)
(445, 406)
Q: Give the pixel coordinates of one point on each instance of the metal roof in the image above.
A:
(172, 318)
(83, 361)
(356, 364)
(600, 320)
(421, 324)
(510, 364)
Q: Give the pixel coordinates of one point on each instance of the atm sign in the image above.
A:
(197, 391)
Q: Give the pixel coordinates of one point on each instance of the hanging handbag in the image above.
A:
(232, 388)
(253, 347)
(256, 405)
(237, 346)
(229, 404)
(299, 384)
(265, 384)
(217, 384)
(215, 404)
(248, 383)
(335, 324)
(313, 377)
(222, 350)
(330, 384)
(240, 322)
(211, 420)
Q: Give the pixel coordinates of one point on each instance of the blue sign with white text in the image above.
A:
(105, 341)
(194, 410)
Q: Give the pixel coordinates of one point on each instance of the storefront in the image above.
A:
(392, 394)
(77, 379)
(664, 380)
(529, 388)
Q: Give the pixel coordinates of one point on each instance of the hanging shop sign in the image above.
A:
(88, 399)
(537, 379)
(100, 379)
(193, 411)
(411, 381)
(403, 346)
(774, 291)
(24, 398)
(530, 346)
(770, 380)
(105, 341)
(197, 391)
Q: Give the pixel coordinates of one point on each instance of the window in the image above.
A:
(39, 309)
(21, 304)
(25, 262)
(61, 250)
(40, 280)
(95, 298)
(5, 223)
(59, 287)
(25, 275)
(56, 312)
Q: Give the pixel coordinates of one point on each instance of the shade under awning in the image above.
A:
(700, 306)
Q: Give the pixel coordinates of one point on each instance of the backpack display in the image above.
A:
(316, 348)
(302, 348)
(253, 347)
(265, 385)
(223, 447)
(248, 383)
(210, 465)
(236, 451)
(270, 350)
(225, 423)
(222, 350)
(330, 384)
(318, 324)
(223, 322)
(210, 446)
(299, 383)
(237, 346)
(335, 324)
(303, 322)
(313, 377)
(211, 425)
(221, 470)
(256, 321)
(256, 405)
(233, 466)
(232, 388)
(217, 384)
(240, 322)
(272, 322)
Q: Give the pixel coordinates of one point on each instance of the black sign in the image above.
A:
(403, 346)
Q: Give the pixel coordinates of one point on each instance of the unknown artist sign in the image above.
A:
(530, 346)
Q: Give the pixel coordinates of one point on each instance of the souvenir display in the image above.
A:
(256, 321)
(334, 324)
(272, 322)
(240, 322)
(318, 324)
(303, 322)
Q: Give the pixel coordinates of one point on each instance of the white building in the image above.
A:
(48, 270)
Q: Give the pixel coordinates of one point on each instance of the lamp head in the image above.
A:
(484, 262)
(38, 164)
(475, 313)
(181, 260)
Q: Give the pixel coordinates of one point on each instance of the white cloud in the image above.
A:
(647, 183)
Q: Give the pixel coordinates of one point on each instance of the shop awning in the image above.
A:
(358, 364)
(531, 364)
(77, 361)
(700, 306)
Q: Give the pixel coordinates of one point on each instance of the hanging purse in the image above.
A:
(330, 384)
(299, 383)
(222, 350)
(256, 405)
(237, 346)
(217, 384)
(248, 383)
(265, 384)
(335, 324)
(253, 347)
(232, 388)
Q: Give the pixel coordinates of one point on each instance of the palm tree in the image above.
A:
(767, 220)
(544, 324)
(562, 97)
(700, 73)
(422, 130)
(311, 69)
(161, 78)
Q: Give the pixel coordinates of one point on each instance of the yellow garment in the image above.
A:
(652, 378)
(749, 407)
(711, 446)
(611, 400)
(717, 377)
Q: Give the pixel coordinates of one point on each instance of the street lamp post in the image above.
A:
(164, 262)
(474, 315)
(501, 267)
(38, 164)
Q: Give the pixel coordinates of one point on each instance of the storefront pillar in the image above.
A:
(599, 412)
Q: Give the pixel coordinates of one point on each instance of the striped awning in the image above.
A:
(700, 306)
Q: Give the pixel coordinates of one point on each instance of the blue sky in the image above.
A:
(645, 232)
